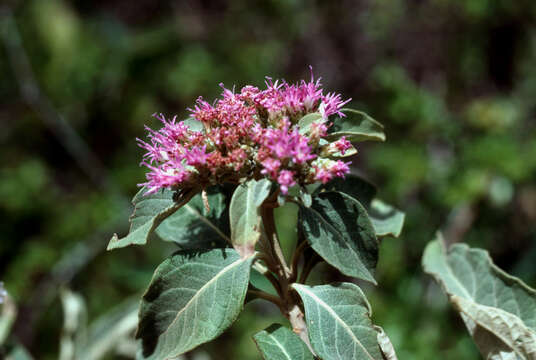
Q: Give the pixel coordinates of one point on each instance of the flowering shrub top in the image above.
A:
(289, 135)
(250, 134)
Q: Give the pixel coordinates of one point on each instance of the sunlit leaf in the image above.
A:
(351, 151)
(387, 220)
(356, 126)
(244, 214)
(510, 331)
(193, 297)
(149, 212)
(338, 322)
(499, 310)
(386, 346)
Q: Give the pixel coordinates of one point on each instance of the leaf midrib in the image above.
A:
(202, 289)
(279, 345)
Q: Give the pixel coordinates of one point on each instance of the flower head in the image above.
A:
(252, 133)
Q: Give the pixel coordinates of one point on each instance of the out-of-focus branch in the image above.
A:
(34, 97)
(70, 264)
(74, 260)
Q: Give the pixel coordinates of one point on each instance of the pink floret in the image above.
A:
(286, 180)
(342, 145)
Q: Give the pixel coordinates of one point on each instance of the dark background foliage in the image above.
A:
(453, 82)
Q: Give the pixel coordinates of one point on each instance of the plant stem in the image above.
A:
(297, 320)
(296, 258)
(268, 220)
(286, 276)
(271, 298)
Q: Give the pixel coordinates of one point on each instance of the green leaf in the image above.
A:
(339, 230)
(304, 124)
(356, 126)
(387, 220)
(277, 342)
(305, 198)
(355, 186)
(193, 227)
(193, 297)
(260, 282)
(351, 151)
(244, 214)
(509, 329)
(193, 124)
(499, 310)
(338, 321)
(149, 212)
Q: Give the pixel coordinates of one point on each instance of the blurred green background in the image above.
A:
(454, 83)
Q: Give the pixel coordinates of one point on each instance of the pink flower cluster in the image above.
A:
(250, 134)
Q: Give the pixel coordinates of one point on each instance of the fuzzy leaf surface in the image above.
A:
(244, 215)
(338, 321)
(277, 342)
(356, 126)
(149, 212)
(339, 230)
(193, 297)
(499, 310)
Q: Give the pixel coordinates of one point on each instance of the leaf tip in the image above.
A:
(112, 243)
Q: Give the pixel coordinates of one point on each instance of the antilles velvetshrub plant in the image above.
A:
(213, 183)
